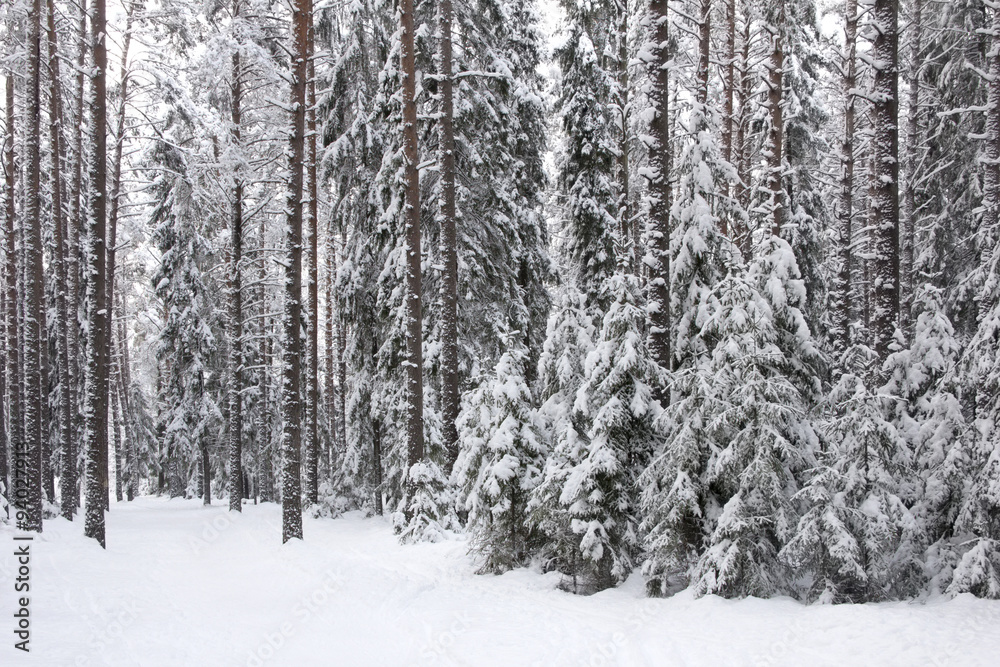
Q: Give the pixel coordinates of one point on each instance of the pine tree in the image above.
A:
(291, 399)
(12, 348)
(67, 468)
(658, 229)
(236, 360)
(96, 394)
(28, 488)
(885, 188)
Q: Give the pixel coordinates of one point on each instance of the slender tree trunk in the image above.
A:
(909, 194)
(329, 365)
(116, 428)
(628, 229)
(741, 149)
(776, 137)
(312, 372)
(449, 238)
(115, 195)
(4, 481)
(74, 224)
(28, 488)
(236, 361)
(411, 219)
(341, 366)
(97, 364)
(13, 366)
(843, 301)
(124, 382)
(704, 50)
(658, 234)
(67, 474)
(885, 96)
(291, 484)
(729, 85)
(991, 181)
(377, 467)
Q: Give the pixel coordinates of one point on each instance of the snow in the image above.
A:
(183, 584)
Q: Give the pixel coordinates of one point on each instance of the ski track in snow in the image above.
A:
(187, 585)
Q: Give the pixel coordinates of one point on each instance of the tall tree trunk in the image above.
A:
(411, 219)
(115, 195)
(291, 441)
(658, 234)
(28, 489)
(75, 222)
(909, 194)
(312, 317)
(776, 137)
(236, 362)
(729, 85)
(704, 50)
(329, 366)
(449, 238)
(628, 229)
(116, 429)
(742, 152)
(124, 382)
(67, 473)
(885, 203)
(377, 465)
(991, 181)
(843, 300)
(13, 365)
(4, 482)
(96, 410)
(341, 365)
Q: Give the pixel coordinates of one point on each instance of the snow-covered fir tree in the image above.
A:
(500, 462)
(591, 477)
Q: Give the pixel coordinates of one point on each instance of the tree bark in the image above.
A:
(885, 200)
(236, 362)
(742, 153)
(124, 382)
(411, 220)
(776, 132)
(28, 489)
(449, 239)
(13, 366)
(115, 198)
(658, 234)
(67, 474)
(991, 181)
(96, 410)
(329, 366)
(843, 301)
(312, 317)
(628, 229)
(909, 193)
(291, 484)
(75, 222)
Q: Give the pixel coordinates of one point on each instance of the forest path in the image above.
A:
(188, 585)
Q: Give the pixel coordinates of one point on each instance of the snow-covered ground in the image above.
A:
(186, 585)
